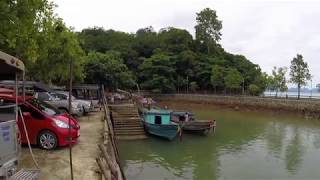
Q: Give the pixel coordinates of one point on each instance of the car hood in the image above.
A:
(65, 118)
(83, 102)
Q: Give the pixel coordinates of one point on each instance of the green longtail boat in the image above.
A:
(158, 122)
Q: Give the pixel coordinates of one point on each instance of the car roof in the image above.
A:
(12, 97)
(5, 90)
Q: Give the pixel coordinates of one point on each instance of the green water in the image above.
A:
(246, 145)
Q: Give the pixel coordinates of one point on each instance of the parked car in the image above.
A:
(87, 106)
(46, 126)
(61, 104)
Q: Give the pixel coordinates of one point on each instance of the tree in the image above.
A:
(233, 79)
(108, 69)
(299, 72)
(175, 40)
(278, 82)
(208, 27)
(254, 89)
(157, 74)
(60, 46)
(21, 22)
(146, 41)
(216, 78)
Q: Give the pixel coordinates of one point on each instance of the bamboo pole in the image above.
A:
(109, 162)
(105, 171)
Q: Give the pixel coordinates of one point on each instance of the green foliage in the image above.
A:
(261, 82)
(170, 60)
(208, 27)
(60, 47)
(194, 87)
(166, 61)
(30, 31)
(108, 69)
(175, 40)
(278, 80)
(233, 79)
(217, 76)
(254, 89)
(299, 72)
(157, 74)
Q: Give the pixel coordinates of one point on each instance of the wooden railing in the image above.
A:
(108, 160)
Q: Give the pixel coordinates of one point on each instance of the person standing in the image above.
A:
(186, 117)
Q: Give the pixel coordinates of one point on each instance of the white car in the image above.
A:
(61, 104)
(86, 105)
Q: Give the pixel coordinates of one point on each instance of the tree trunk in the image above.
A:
(299, 87)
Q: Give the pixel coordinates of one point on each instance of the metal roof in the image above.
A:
(86, 86)
(37, 86)
(10, 64)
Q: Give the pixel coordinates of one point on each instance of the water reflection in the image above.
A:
(294, 152)
(245, 146)
(275, 134)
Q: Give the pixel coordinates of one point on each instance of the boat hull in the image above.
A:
(169, 131)
(202, 126)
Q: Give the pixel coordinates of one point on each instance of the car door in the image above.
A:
(34, 122)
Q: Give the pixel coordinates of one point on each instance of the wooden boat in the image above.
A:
(193, 125)
(157, 122)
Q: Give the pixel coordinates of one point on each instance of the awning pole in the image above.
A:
(69, 119)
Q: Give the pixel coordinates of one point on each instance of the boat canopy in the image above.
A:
(157, 111)
(10, 64)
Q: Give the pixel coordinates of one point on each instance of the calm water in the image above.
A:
(246, 145)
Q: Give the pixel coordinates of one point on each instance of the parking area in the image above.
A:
(54, 164)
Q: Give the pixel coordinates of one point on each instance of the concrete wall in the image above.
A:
(310, 108)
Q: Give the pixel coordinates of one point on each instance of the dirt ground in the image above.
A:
(54, 164)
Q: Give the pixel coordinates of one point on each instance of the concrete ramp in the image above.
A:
(127, 122)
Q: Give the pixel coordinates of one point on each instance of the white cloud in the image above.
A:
(268, 32)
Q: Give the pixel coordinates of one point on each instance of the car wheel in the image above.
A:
(47, 140)
(84, 111)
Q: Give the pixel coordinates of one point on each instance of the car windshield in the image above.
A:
(44, 107)
(64, 95)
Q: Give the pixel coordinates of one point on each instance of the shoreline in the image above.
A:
(305, 109)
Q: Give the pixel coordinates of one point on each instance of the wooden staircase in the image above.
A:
(127, 122)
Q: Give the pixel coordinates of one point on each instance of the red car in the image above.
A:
(46, 126)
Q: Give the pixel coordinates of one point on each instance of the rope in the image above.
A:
(27, 136)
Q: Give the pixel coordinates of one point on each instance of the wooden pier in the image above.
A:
(127, 122)
(108, 160)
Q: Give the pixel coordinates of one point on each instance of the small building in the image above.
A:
(90, 92)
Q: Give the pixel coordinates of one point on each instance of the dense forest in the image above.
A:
(170, 60)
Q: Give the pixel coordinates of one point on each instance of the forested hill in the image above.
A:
(168, 61)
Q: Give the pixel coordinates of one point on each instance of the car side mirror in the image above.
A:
(26, 114)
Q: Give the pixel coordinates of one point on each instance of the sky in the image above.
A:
(268, 32)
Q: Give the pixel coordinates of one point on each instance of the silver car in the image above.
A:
(86, 105)
(61, 104)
